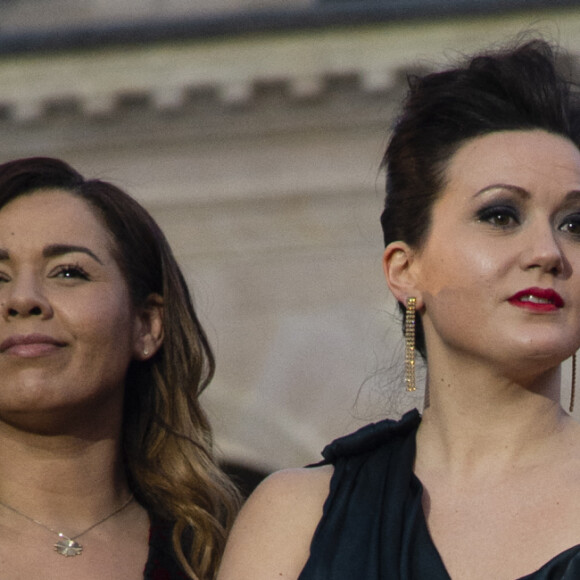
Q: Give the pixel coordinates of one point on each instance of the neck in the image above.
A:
(480, 421)
(70, 479)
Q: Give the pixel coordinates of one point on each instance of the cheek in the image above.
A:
(105, 323)
(461, 275)
(105, 347)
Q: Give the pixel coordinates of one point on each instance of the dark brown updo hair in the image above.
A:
(521, 88)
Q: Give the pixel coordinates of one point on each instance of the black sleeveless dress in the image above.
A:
(373, 526)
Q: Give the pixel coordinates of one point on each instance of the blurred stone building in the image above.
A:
(253, 131)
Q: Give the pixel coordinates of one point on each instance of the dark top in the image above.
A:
(373, 526)
(162, 563)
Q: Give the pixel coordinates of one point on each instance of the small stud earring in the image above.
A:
(145, 351)
(410, 344)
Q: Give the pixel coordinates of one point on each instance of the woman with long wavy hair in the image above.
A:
(106, 461)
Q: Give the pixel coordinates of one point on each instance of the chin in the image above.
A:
(541, 358)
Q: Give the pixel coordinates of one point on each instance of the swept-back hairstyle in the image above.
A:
(521, 88)
(167, 440)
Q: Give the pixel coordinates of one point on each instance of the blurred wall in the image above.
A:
(259, 155)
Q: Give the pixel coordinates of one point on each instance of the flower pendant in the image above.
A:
(67, 547)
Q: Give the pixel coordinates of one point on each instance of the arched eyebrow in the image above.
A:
(520, 191)
(55, 250)
(571, 196)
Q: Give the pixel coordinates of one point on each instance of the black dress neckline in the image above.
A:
(373, 526)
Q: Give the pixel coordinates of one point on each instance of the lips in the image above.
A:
(537, 300)
(30, 345)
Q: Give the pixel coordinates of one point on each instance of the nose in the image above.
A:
(543, 251)
(22, 297)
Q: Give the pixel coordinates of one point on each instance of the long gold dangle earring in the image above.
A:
(410, 344)
(573, 385)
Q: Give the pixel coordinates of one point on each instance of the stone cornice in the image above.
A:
(168, 77)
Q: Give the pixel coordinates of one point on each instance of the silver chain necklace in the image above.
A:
(68, 546)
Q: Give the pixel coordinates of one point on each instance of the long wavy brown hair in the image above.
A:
(167, 440)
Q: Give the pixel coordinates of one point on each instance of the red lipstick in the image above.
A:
(537, 300)
(30, 345)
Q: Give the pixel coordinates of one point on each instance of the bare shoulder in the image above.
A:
(271, 537)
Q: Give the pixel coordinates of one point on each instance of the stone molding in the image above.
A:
(168, 75)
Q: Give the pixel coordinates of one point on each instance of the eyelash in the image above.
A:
(69, 272)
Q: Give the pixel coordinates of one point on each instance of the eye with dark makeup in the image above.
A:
(499, 215)
(571, 225)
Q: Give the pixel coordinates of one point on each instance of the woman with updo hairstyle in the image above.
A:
(482, 233)
(106, 461)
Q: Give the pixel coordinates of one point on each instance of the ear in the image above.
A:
(149, 328)
(398, 265)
